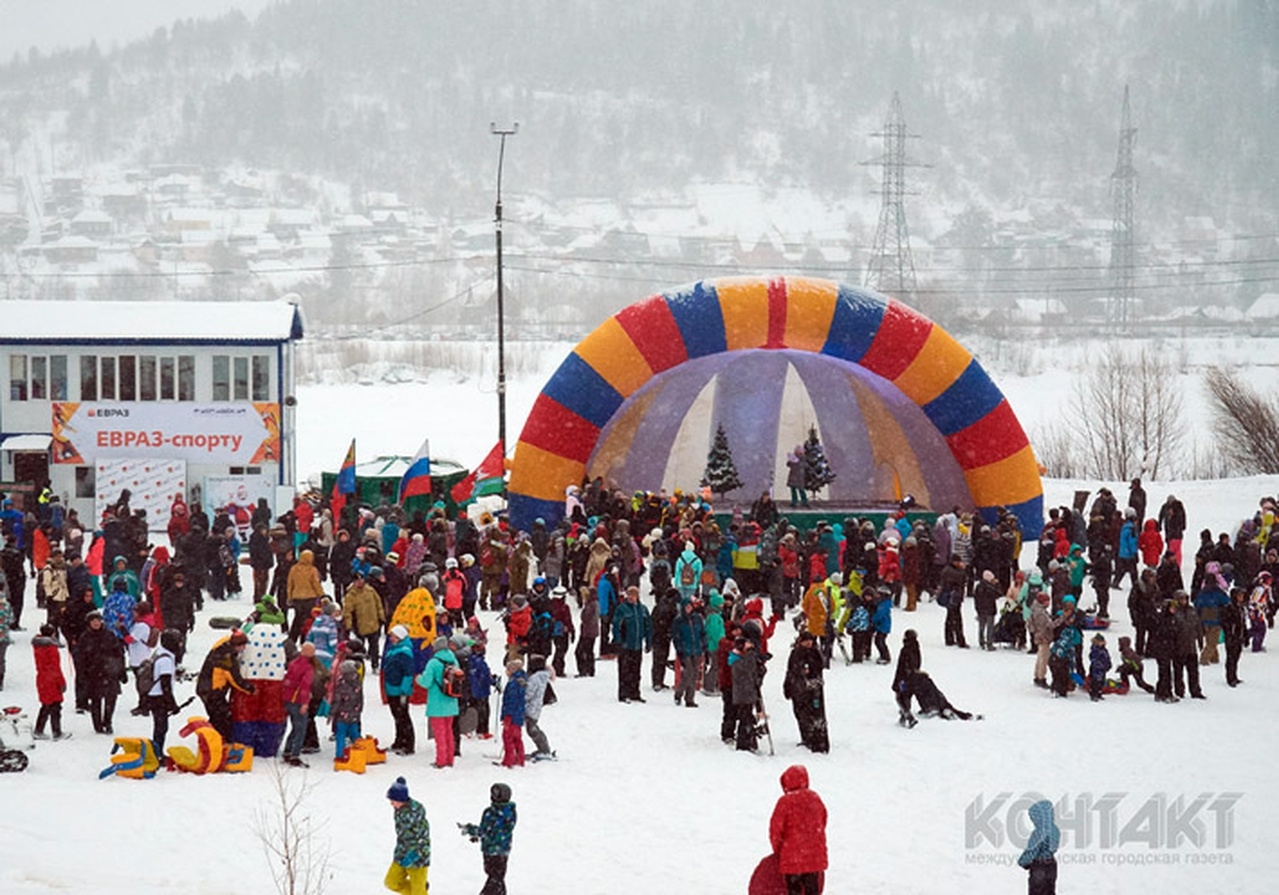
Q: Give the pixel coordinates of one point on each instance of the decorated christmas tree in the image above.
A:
(720, 475)
(817, 471)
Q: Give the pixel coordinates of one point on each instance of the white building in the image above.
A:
(158, 397)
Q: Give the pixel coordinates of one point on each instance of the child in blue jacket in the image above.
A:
(1098, 665)
(494, 833)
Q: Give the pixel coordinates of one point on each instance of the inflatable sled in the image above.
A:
(211, 754)
(768, 880)
(359, 755)
(132, 757)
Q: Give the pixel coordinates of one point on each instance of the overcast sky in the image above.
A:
(55, 24)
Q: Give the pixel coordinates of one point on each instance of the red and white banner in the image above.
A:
(151, 484)
(232, 433)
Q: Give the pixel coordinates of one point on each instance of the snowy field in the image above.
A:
(645, 798)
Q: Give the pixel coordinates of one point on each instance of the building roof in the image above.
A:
(188, 322)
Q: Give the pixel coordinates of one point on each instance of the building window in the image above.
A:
(106, 392)
(146, 377)
(253, 470)
(89, 378)
(221, 377)
(84, 481)
(241, 366)
(261, 377)
(58, 377)
(17, 377)
(128, 377)
(166, 379)
(39, 379)
(186, 377)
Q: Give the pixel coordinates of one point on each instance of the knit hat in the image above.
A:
(1098, 638)
(399, 632)
(500, 793)
(399, 791)
(440, 643)
(239, 638)
(514, 665)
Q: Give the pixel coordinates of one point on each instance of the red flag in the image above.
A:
(487, 478)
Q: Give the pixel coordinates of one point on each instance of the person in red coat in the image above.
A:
(50, 682)
(797, 832)
(1151, 544)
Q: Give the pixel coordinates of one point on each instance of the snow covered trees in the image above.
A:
(720, 475)
(817, 471)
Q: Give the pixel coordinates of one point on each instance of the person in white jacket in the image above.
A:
(539, 678)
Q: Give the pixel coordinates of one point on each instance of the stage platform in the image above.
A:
(806, 518)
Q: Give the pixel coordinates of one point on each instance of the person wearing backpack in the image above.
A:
(441, 704)
(688, 572)
(156, 674)
(562, 630)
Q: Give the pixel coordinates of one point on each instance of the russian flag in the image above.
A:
(417, 478)
(344, 485)
(487, 478)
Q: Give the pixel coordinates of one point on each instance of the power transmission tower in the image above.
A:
(891, 269)
(1123, 189)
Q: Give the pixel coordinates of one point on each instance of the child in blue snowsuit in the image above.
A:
(1098, 665)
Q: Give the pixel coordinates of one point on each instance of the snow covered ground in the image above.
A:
(645, 798)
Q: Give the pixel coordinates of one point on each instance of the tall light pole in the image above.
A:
(501, 134)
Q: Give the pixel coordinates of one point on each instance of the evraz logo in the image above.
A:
(1108, 821)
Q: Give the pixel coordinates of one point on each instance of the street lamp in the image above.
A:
(502, 134)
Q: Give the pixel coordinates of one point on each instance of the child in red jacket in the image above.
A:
(50, 683)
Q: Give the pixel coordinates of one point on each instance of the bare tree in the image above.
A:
(1128, 411)
(1247, 423)
(295, 847)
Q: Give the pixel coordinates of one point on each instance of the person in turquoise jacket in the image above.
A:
(397, 681)
(441, 708)
(714, 628)
(882, 621)
(121, 571)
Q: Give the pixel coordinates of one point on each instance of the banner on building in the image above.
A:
(151, 483)
(240, 433)
(237, 495)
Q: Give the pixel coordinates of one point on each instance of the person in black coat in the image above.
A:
(1137, 499)
(103, 665)
(803, 686)
(1163, 648)
(908, 662)
(261, 559)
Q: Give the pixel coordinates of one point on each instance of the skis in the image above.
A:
(763, 725)
(848, 660)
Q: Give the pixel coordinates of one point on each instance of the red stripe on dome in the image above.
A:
(776, 314)
(557, 430)
(655, 333)
(994, 437)
(898, 340)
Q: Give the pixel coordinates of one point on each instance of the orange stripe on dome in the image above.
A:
(744, 305)
(810, 308)
(1013, 480)
(542, 475)
(611, 353)
(938, 364)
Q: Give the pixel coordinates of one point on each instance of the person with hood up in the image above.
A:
(803, 687)
(102, 663)
(304, 592)
(1039, 857)
(1213, 596)
(687, 576)
(494, 833)
(51, 684)
(411, 861)
(347, 705)
(1150, 543)
(121, 572)
(441, 708)
(539, 681)
(909, 661)
(797, 833)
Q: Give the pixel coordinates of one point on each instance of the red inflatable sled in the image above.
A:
(768, 880)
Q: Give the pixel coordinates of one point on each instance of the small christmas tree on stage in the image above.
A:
(720, 475)
(817, 471)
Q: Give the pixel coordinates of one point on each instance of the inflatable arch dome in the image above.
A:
(900, 406)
